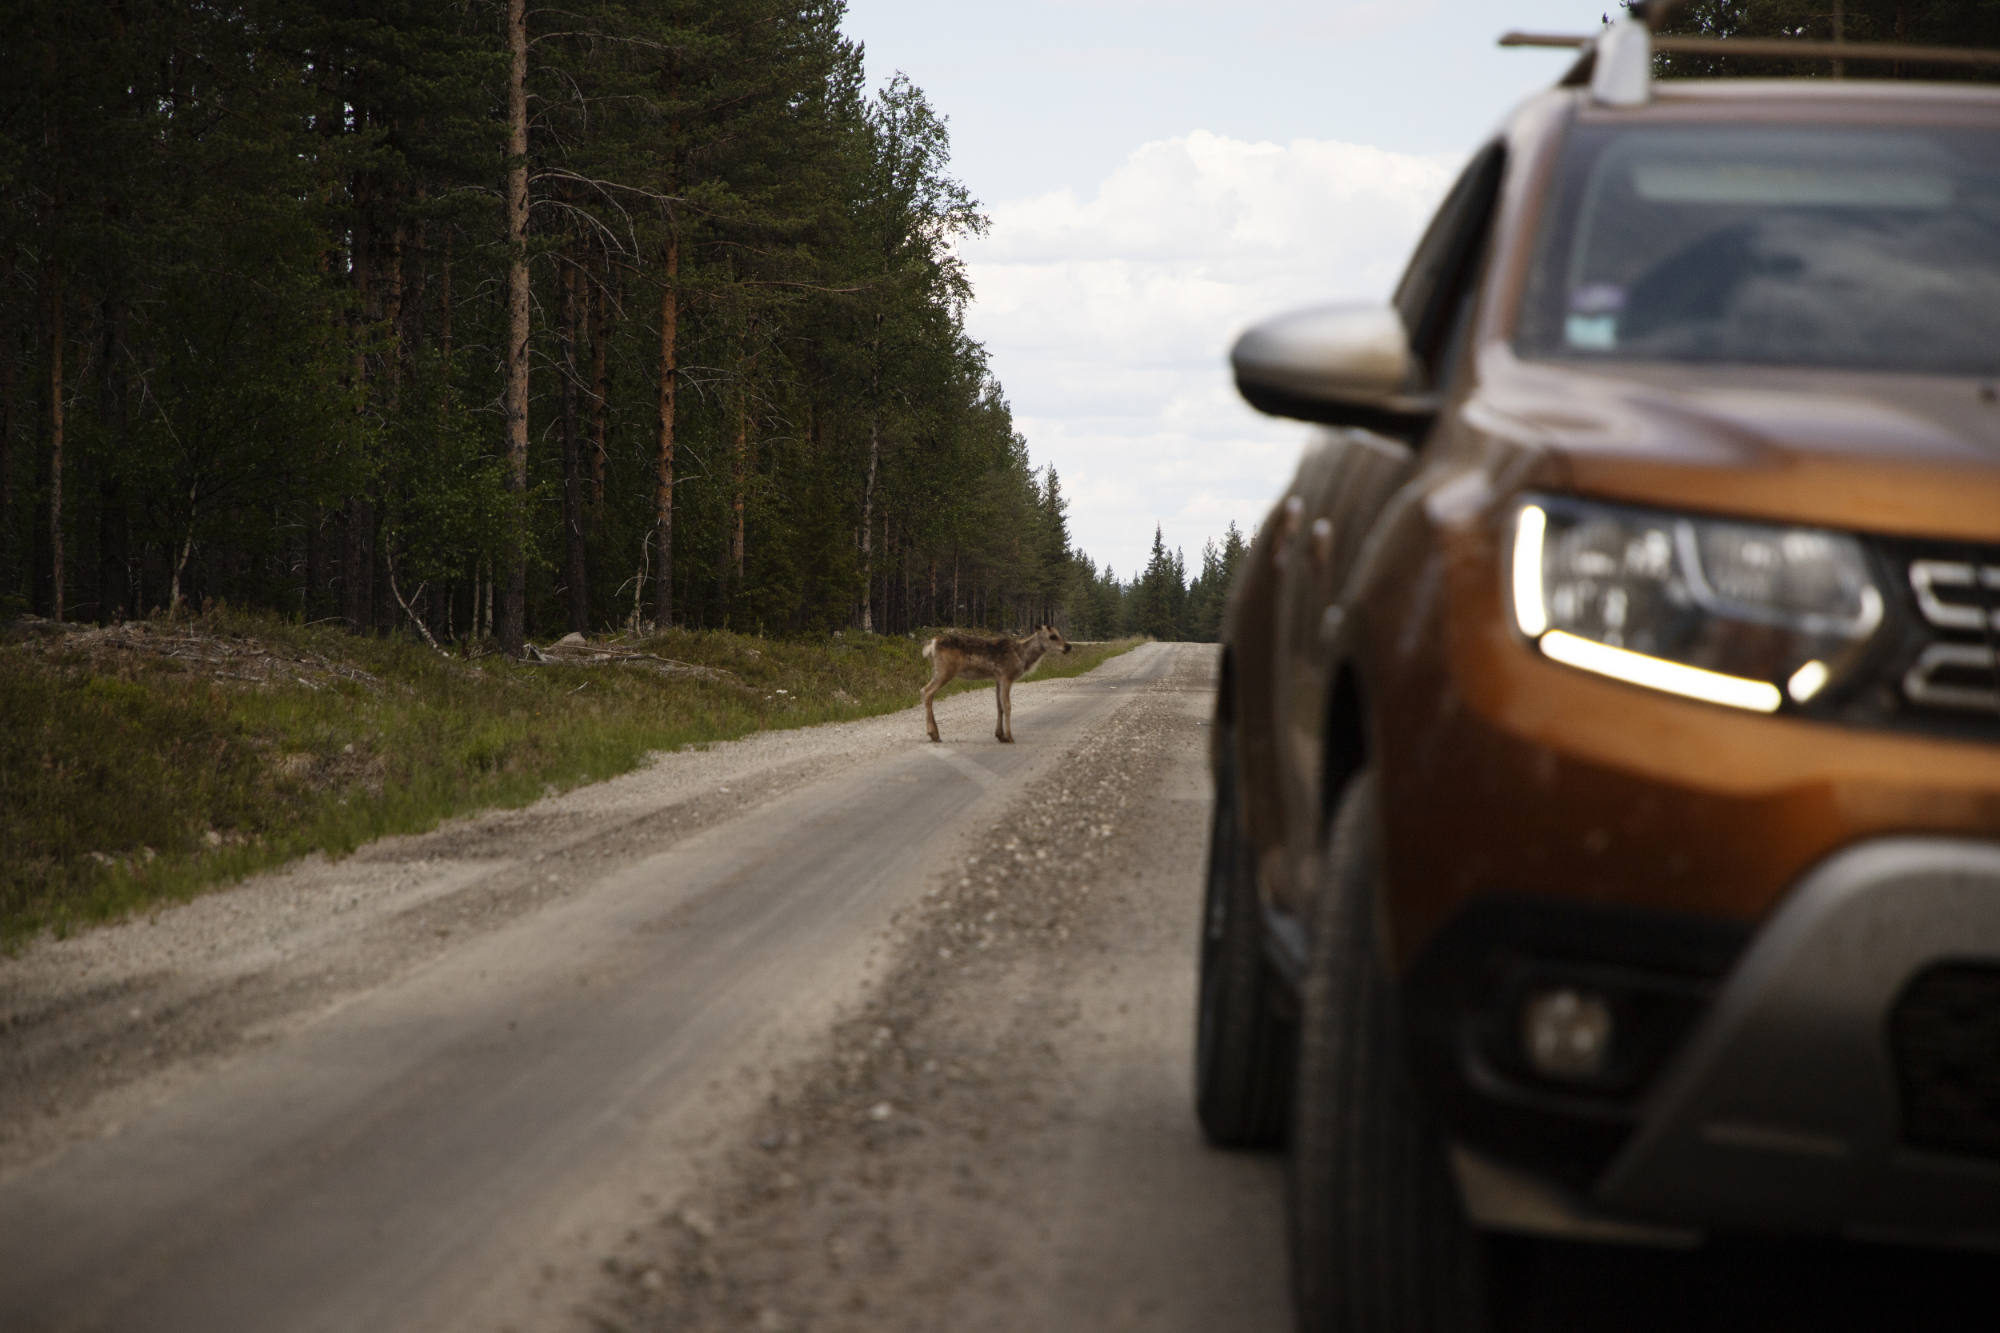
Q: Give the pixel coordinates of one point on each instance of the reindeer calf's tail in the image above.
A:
(930, 649)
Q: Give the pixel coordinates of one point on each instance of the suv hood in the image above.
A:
(1893, 454)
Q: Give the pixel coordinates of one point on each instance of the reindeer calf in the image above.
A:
(997, 658)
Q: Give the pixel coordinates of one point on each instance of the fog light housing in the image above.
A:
(1566, 1034)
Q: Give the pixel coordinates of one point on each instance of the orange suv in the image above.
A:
(1607, 748)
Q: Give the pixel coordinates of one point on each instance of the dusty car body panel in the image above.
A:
(1895, 454)
(1357, 474)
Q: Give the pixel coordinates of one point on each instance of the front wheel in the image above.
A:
(1242, 1048)
(1380, 1240)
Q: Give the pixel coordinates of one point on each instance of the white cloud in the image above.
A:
(1108, 318)
(1324, 24)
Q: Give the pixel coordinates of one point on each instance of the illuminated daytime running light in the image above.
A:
(1659, 674)
(1530, 612)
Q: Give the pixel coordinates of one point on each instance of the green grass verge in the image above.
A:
(147, 764)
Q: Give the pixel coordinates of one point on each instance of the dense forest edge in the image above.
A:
(473, 322)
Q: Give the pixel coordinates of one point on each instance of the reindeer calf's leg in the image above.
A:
(941, 676)
(930, 717)
(1005, 730)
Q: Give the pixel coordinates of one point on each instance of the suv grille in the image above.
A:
(1956, 667)
(1945, 1037)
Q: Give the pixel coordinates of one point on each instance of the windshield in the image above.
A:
(1870, 249)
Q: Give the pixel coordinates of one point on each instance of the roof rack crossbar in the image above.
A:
(1781, 48)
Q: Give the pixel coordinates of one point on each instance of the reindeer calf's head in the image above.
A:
(1052, 637)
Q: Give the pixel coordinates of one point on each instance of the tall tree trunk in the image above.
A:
(663, 493)
(9, 409)
(903, 572)
(739, 480)
(357, 544)
(386, 311)
(444, 307)
(381, 596)
(391, 314)
(310, 599)
(513, 613)
(357, 564)
(740, 474)
(444, 394)
(415, 280)
(177, 586)
(599, 292)
(113, 522)
(868, 491)
(574, 571)
(53, 606)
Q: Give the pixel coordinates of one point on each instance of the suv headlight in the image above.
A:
(1743, 614)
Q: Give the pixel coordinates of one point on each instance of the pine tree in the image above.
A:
(1160, 592)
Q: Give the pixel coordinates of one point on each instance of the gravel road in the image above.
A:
(678, 1047)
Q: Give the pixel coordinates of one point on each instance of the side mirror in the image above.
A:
(1341, 365)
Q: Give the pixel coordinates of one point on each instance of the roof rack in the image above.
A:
(1617, 64)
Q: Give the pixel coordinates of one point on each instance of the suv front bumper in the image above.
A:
(1845, 1081)
(1830, 1088)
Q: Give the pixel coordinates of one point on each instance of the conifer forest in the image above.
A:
(465, 319)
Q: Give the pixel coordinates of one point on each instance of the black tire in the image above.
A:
(1380, 1240)
(1242, 1060)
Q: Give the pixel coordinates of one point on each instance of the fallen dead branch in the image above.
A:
(415, 619)
(575, 650)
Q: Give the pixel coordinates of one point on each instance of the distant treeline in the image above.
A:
(1959, 23)
(1162, 601)
(453, 317)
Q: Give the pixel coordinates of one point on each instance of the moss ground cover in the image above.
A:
(148, 762)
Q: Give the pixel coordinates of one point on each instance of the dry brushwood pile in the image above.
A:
(112, 650)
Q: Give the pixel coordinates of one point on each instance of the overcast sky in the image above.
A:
(1160, 173)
